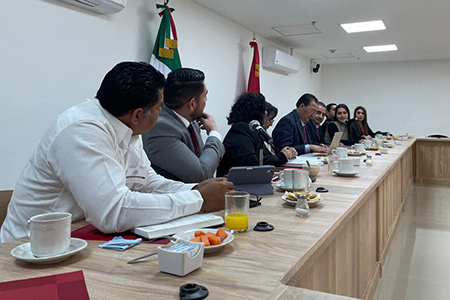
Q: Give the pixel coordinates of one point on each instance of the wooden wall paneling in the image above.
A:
(432, 163)
(367, 265)
(348, 264)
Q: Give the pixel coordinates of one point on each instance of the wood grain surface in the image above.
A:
(336, 249)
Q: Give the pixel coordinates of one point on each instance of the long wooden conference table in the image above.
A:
(337, 252)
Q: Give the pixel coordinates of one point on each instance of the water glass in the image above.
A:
(237, 206)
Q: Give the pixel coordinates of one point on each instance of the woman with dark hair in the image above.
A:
(242, 145)
(363, 128)
(341, 124)
(272, 112)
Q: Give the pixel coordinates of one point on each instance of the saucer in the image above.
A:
(356, 153)
(281, 185)
(312, 202)
(345, 174)
(23, 252)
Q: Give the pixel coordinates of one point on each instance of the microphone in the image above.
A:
(351, 120)
(255, 126)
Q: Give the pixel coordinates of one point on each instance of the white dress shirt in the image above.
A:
(89, 164)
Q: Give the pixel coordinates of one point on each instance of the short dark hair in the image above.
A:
(344, 106)
(306, 99)
(320, 103)
(181, 85)
(330, 105)
(130, 85)
(248, 107)
(270, 109)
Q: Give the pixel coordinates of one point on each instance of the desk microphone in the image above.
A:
(255, 126)
(351, 120)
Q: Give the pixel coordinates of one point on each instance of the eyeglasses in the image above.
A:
(311, 110)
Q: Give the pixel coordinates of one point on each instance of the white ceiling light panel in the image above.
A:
(380, 48)
(364, 26)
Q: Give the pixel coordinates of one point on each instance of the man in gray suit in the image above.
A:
(174, 146)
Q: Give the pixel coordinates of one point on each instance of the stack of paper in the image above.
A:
(300, 160)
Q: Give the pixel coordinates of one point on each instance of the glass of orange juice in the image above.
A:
(237, 205)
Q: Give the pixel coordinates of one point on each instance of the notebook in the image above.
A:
(178, 225)
(254, 179)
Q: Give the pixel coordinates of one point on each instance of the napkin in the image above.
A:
(120, 244)
(68, 286)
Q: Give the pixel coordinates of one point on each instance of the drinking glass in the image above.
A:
(237, 205)
(331, 159)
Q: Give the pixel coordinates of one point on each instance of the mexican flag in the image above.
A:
(165, 57)
(253, 78)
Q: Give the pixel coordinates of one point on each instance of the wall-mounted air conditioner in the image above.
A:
(279, 61)
(100, 6)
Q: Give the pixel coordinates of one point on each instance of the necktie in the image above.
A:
(305, 135)
(194, 140)
(318, 134)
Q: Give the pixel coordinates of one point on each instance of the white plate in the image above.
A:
(23, 252)
(356, 153)
(189, 234)
(281, 185)
(345, 174)
(294, 202)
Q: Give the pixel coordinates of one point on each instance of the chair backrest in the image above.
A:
(5, 197)
(439, 136)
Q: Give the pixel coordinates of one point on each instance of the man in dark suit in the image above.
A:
(292, 131)
(331, 109)
(175, 146)
(314, 124)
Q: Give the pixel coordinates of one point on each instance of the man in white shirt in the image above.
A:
(91, 163)
(175, 146)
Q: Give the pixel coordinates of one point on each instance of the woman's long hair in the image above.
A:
(363, 122)
(344, 106)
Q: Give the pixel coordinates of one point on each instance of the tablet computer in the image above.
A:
(252, 179)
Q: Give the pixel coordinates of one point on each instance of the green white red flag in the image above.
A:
(165, 57)
(253, 79)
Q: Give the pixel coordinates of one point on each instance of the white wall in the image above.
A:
(54, 55)
(400, 97)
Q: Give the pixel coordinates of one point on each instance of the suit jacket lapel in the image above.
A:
(180, 125)
(298, 124)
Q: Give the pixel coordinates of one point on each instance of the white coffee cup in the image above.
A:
(359, 147)
(344, 165)
(295, 178)
(384, 150)
(342, 152)
(367, 144)
(49, 233)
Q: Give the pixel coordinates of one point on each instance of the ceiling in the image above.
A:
(419, 28)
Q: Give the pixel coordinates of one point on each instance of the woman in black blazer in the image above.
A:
(242, 145)
(341, 123)
(364, 130)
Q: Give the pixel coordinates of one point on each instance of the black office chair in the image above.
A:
(438, 136)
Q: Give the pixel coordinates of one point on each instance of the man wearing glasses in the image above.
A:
(315, 125)
(292, 131)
